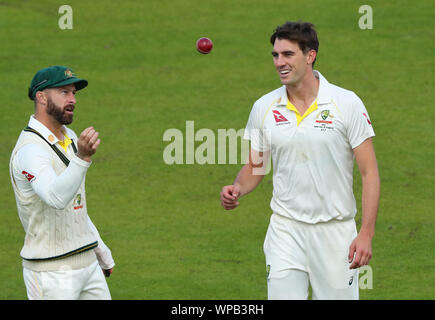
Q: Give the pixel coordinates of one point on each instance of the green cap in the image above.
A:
(54, 76)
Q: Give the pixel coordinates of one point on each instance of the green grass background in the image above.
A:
(168, 234)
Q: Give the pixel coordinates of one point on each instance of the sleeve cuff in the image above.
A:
(81, 162)
(361, 140)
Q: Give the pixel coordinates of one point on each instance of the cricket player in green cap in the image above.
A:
(63, 254)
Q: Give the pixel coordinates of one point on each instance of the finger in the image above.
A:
(363, 262)
(234, 194)
(229, 207)
(90, 134)
(351, 255)
(96, 144)
(227, 199)
(85, 138)
(93, 138)
(228, 203)
(235, 191)
(85, 132)
(356, 261)
(365, 259)
(227, 195)
(369, 258)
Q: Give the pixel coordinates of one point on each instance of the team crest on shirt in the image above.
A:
(78, 202)
(324, 114)
(324, 120)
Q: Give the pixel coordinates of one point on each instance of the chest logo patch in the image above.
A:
(279, 118)
(324, 114)
(78, 202)
(29, 177)
(324, 120)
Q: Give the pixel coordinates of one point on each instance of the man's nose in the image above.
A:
(279, 61)
(72, 98)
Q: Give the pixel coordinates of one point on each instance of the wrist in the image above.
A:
(239, 188)
(84, 158)
(368, 232)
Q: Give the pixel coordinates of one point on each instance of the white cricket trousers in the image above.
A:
(299, 255)
(82, 284)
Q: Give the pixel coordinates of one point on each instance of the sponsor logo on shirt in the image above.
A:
(279, 118)
(28, 176)
(367, 118)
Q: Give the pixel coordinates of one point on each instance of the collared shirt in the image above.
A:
(33, 172)
(66, 142)
(312, 154)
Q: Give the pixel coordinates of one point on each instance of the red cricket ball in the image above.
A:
(204, 45)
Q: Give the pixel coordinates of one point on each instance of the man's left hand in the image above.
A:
(360, 251)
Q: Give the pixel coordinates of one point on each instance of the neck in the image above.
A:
(305, 91)
(53, 125)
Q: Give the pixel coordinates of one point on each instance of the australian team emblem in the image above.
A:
(68, 73)
(78, 202)
(324, 114)
(324, 120)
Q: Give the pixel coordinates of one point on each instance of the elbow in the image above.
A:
(372, 181)
(371, 175)
(57, 206)
(57, 202)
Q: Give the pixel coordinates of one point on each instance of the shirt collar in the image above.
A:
(323, 95)
(43, 130)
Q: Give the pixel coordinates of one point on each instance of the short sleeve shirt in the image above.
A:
(312, 160)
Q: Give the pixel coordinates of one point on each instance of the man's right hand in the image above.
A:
(87, 144)
(230, 196)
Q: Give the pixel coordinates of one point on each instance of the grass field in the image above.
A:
(168, 234)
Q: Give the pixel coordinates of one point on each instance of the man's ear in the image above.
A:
(41, 97)
(311, 56)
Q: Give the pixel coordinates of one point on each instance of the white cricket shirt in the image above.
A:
(51, 201)
(312, 160)
(33, 171)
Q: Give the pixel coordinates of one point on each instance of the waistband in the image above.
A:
(283, 218)
(76, 261)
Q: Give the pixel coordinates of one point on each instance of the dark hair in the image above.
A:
(301, 32)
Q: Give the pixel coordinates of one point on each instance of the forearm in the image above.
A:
(370, 203)
(58, 190)
(104, 255)
(247, 179)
